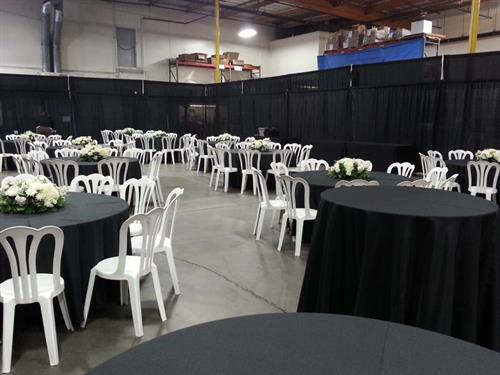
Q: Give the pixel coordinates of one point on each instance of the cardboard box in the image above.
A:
(231, 55)
(400, 33)
(201, 57)
(421, 27)
(237, 62)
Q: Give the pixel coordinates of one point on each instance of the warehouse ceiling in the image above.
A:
(292, 17)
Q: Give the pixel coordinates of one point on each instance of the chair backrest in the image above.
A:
(115, 143)
(37, 155)
(21, 146)
(151, 229)
(314, 165)
(275, 145)
(429, 162)
(223, 146)
(352, 183)
(417, 183)
(482, 170)
(242, 145)
(249, 139)
(212, 139)
(39, 145)
(168, 142)
(435, 154)
(221, 158)
(282, 156)
(106, 134)
(304, 154)
(55, 137)
(249, 159)
(11, 137)
(67, 153)
(59, 170)
(184, 141)
(436, 176)
(21, 246)
(261, 186)
(115, 167)
(460, 155)
(19, 163)
(136, 153)
(138, 193)
(147, 141)
(61, 143)
(295, 148)
(32, 166)
(170, 213)
(403, 169)
(450, 183)
(154, 166)
(94, 183)
(289, 186)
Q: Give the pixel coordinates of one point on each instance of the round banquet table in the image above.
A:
(91, 225)
(86, 168)
(422, 257)
(319, 181)
(298, 344)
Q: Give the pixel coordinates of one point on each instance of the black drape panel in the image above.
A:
(472, 67)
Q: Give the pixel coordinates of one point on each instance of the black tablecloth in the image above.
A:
(423, 257)
(91, 225)
(303, 344)
(10, 148)
(319, 181)
(380, 154)
(86, 168)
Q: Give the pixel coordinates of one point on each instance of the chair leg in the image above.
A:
(226, 181)
(173, 270)
(205, 165)
(298, 236)
(61, 298)
(211, 177)
(256, 221)
(243, 182)
(9, 310)
(199, 164)
(135, 304)
(282, 233)
(217, 180)
(254, 184)
(261, 221)
(172, 154)
(123, 293)
(273, 218)
(159, 297)
(88, 297)
(49, 326)
(160, 192)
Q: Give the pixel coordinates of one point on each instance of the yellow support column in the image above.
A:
(474, 25)
(217, 42)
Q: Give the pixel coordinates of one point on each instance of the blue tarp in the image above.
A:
(406, 50)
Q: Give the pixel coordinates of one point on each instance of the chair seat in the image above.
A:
(107, 267)
(482, 190)
(295, 169)
(228, 170)
(275, 204)
(137, 245)
(45, 287)
(300, 214)
(248, 171)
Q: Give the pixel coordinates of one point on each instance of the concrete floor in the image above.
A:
(223, 273)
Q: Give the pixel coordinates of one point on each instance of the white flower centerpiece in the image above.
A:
(84, 141)
(350, 169)
(128, 131)
(21, 196)
(93, 153)
(159, 134)
(28, 136)
(224, 137)
(489, 154)
(261, 145)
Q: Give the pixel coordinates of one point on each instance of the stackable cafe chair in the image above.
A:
(136, 153)
(450, 184)
(67, 153)
(483, 178)
(249, 159)
(94, 183)
(436, 177)
(403, 169)
(429, 162)
(435, 154)
(223, 168)
(21, 146)
(138, 193)
(106, 136)
(280, 156)
(460, 155)
(115, 167)
(203, 155)
(314, 165)
(154, 175)
(168, 147)
(62, 171)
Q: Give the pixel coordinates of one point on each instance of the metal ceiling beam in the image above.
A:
(249, 5)
(389, 5)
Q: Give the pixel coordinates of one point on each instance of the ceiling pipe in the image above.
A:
(56, 42)
(45, 37)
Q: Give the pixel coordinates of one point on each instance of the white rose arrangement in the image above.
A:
(159, 134)
(128, 131)
(350, 169)
(93, 153)
(489, 154)
(261, 145)
(20, 196)
(28, 136)
(225, 137)
(84, 141)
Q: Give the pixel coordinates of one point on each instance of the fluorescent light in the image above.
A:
(247, 33)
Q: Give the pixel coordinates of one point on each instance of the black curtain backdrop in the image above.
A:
(438, 103)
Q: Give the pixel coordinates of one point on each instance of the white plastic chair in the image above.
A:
(60, 142)
(429, 162)
(191, 153)
(154, 174)
(299, 214)
(94, 183)
(130, 269)
(28, 286)
(136, 153)
(314, 165)
(203, 155)
(295, 148)
(33, 167)
(148, 146)
(106, 135)
(417, 183)
(138, 193)
(435, 154)
(59, 170)
(450, 183)
(280, 156)
(265, 204)
(21, 146)
(67, 153)
(213, 159)
(38, 146)
(55, 137)
(279, 169)
(222, 169)
(460, 155)
(403, 169)
(249, 159)
(482, 170)
(212, 139)
(354, 183)
(37, 155)
(115, 167)
(168, 147)
(182, 146)
(436, 176)
(164, 243)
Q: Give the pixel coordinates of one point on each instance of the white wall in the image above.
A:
(89, 44)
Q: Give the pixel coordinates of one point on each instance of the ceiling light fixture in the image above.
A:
(247, 33)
